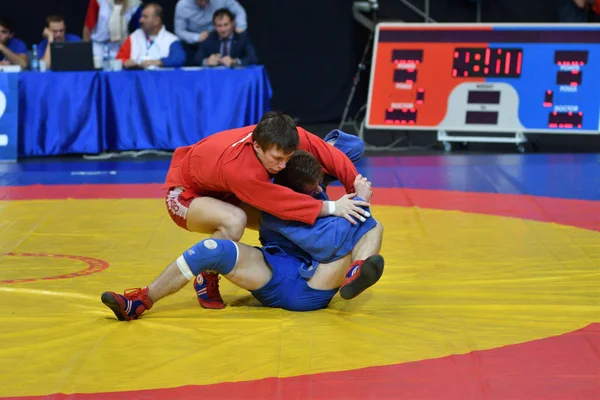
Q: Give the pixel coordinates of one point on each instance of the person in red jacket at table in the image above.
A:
(151, 45)
(218, 185)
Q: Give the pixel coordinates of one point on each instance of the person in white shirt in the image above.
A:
(106, 24)
(152, 45)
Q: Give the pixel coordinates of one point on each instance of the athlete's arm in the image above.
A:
(286, 204)
(333, 160)
(334, 234)
(323, 239)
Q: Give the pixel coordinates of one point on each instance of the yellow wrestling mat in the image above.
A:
(454, 283)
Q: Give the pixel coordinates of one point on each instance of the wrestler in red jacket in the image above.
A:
(220, 183)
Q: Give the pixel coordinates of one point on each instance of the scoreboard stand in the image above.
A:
(484, 81)
(519, 139)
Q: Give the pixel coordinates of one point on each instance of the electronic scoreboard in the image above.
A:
(496, 78)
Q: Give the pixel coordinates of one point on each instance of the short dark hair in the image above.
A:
(158, 10)
(301, 170)
(276, 129)
(221, 12)
(54, 18)
(8, 24)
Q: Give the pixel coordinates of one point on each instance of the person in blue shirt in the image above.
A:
(13, 51)
(300, 267)
(55, 31)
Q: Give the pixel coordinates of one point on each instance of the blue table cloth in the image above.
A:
(94, 112)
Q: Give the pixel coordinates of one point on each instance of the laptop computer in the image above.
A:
(72, 56)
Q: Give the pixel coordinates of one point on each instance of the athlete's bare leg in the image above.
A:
(332, 275)
(369, 244)
(252, 216)
(217, 218)
(251, 272)
(221, 220)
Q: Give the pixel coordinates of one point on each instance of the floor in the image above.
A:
(490, 290)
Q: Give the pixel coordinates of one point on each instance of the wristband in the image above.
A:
(331, 207)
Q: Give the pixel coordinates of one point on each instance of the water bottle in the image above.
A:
(106, 59)
(35, 60)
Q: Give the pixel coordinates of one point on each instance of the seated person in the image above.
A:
(13, 51)
(279, 275)
(224, 46)
(106, 24)
(55, 32)
(151, 45)
(193, 18)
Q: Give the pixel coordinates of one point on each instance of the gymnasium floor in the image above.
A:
(491, 290)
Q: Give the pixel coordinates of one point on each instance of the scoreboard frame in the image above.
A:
(488, 127)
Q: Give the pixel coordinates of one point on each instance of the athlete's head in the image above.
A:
(275, 139)
(302, 174)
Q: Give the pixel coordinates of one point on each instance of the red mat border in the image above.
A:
(566, 366)
(580, 213)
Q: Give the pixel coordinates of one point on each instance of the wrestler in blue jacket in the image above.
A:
(330, 238)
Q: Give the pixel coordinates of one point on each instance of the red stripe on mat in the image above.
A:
(579, 213)
(101, 191)
(566, 366)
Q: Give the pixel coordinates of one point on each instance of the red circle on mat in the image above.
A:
(565, 365)
(94, 265)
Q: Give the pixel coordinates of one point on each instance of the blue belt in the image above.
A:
(306, 268)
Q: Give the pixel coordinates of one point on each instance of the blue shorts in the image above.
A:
(287, 289)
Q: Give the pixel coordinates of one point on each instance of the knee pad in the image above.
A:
(350, 145)
(210, 254)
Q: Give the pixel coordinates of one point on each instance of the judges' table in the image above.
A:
(94, 112)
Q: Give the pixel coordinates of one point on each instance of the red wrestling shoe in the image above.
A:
(128, 306)
(362, 275)
(206, 285)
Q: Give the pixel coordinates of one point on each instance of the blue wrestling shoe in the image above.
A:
(206, 285)
(362, 275)
(130, 305)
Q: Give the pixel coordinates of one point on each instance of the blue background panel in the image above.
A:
(539, 75)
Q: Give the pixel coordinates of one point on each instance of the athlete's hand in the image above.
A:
(347, 208)
(363, 188)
